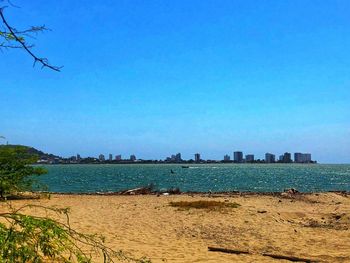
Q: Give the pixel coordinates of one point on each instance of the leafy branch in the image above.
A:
(28, 238)
(16, 175)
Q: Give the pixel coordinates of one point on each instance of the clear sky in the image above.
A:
(152, 78)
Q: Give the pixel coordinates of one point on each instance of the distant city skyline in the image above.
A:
(163, 77)
(237, 157)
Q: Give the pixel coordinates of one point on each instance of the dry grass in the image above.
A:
(203, 204)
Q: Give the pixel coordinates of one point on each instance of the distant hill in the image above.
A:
(31, 151)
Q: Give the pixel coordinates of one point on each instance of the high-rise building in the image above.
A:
(78, 157)
(227, 158)
(110, 157)
(178, 158)
(298, 157)
(280, 158)
(101, 157)
(249, 158)
(302, 157)
(118, 157)
(307, 157)
(132, 158)
(287, 157)
(238, 157)
(197, 157)
(269, 158)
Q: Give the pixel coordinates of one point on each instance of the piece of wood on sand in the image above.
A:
(237, 252)
(226, 250)
(290, 258)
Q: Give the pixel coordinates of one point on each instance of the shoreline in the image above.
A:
(190, 193)
(187, 164)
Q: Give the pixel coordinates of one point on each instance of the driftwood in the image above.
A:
(237, 252)
(147, 190)
(230, 251)
(290, 258)
(137, 191)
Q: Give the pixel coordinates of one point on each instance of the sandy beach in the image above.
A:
(314, 226)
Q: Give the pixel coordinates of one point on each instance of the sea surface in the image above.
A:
(90, 178)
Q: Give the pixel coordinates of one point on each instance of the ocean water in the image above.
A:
(200, 178)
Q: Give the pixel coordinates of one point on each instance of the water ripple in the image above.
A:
(202, 178)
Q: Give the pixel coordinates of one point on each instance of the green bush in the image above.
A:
(16, 172)
(28, 238)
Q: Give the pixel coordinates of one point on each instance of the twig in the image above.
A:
(43, 61)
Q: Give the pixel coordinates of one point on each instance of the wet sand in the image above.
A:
(314, 226)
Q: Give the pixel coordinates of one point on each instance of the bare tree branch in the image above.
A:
(3, 45)
(10, 34)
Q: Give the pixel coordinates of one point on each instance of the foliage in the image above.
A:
(12, 38)
(16, 173)
(203, 204)
(28, 238)
(30, 151)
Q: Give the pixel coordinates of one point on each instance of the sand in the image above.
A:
(315, 226)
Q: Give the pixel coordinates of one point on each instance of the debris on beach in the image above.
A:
(276, 256)
(146, 190)
(137, 191)
(291, 191)
(330, 221)
(173, 191)
(230, 251)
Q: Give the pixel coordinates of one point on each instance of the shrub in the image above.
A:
(28, 238)
(16, 173)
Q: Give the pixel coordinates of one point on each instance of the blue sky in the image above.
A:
(153, 78)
